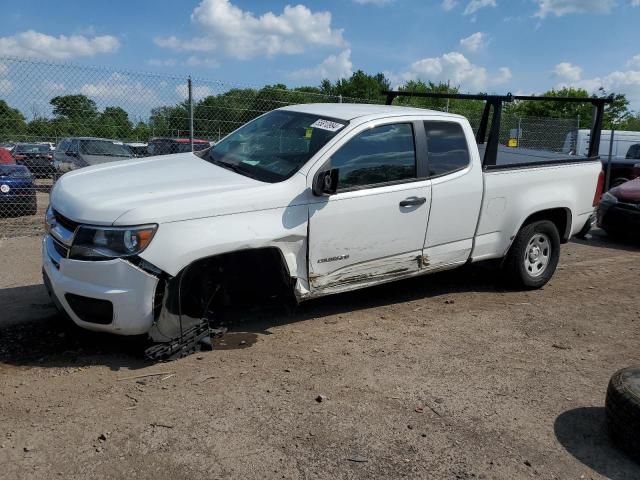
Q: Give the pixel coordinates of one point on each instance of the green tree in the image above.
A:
(12, 122)
(74, 107)
(170, 121)
(114, 123)
(615, 114)
(359, 86)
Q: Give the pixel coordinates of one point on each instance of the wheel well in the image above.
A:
(561, 218)
(237, 278)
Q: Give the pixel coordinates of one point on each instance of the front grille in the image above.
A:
(60, 248)
(91, 310)
(65, 222)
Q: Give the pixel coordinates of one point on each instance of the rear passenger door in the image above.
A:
(457, 188)
(372, 229)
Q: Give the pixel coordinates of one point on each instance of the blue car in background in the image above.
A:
(17, 191)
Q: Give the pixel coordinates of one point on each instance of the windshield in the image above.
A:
(32, 148)
(273, 147)
(107, 148)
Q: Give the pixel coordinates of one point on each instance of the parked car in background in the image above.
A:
(38, 158)
(6, 158)
(77, 152)
(17, 191)
(619, 210)
(167, 146)
(139, 149)
(577, 143)
(623, 170)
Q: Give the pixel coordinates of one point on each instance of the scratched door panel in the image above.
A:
(365, 236)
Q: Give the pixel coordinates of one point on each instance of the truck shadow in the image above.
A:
(582, 432)
(600, 239)
(32, 333)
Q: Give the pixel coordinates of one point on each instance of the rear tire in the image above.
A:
(533, 256)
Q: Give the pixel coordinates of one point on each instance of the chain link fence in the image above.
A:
(56, 117)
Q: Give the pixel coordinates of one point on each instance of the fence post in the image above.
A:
(339, 98)
(189, 86)
(608, 179)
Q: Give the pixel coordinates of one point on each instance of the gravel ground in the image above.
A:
(447, 377)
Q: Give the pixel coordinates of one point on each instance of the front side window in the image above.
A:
(273, 147)
(378, 155)
(447, 147)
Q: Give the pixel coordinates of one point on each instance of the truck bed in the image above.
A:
(520, 157)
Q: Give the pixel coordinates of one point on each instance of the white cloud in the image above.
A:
(53, 87)
(474, 5)
(568, 72)
(377, 3)
(450, 5)
(40, 45)
(565, 7)
(334, 67)
(6, 86)
(635, 61)
(635, 3)
(169, 62)
(195, 61)
(474, 42)
(241, 34)
(455, 68)
(198, 91)
(119, 87)
(504, 75)
(618, 81)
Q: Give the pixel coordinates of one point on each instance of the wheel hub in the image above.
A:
(537, 255)
(534, 254)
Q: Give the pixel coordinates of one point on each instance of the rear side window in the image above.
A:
(447, 147)
(379, 155)
(634, 152)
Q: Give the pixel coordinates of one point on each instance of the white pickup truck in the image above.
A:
(302, 202)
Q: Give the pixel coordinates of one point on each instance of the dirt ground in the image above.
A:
(450, 376)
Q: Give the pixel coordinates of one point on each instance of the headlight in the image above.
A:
(608, 198)
(106, 243)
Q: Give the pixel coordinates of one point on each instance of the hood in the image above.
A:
(159, 189)
(628, 191)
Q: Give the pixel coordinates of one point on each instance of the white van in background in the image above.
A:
(577, 143)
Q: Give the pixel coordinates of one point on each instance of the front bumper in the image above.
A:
(619, 217)
(129, 289)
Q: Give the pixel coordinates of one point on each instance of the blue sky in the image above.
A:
(524, 46)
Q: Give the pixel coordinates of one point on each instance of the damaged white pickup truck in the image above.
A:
(301, 202)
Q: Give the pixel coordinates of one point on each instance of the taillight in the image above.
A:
(50, 157)
(599, 189)
(20, 157)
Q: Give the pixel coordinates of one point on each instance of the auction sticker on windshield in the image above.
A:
(327, 125)
(5, 188)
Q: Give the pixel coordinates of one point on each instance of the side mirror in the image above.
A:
(325, 182)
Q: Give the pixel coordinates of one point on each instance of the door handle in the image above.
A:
(412, 201)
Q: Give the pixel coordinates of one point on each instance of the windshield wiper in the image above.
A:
(233, 168)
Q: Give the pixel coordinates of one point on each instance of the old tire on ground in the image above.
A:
(622, 408)
(533, 256)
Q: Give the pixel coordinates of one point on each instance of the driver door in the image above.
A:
(373, 228)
